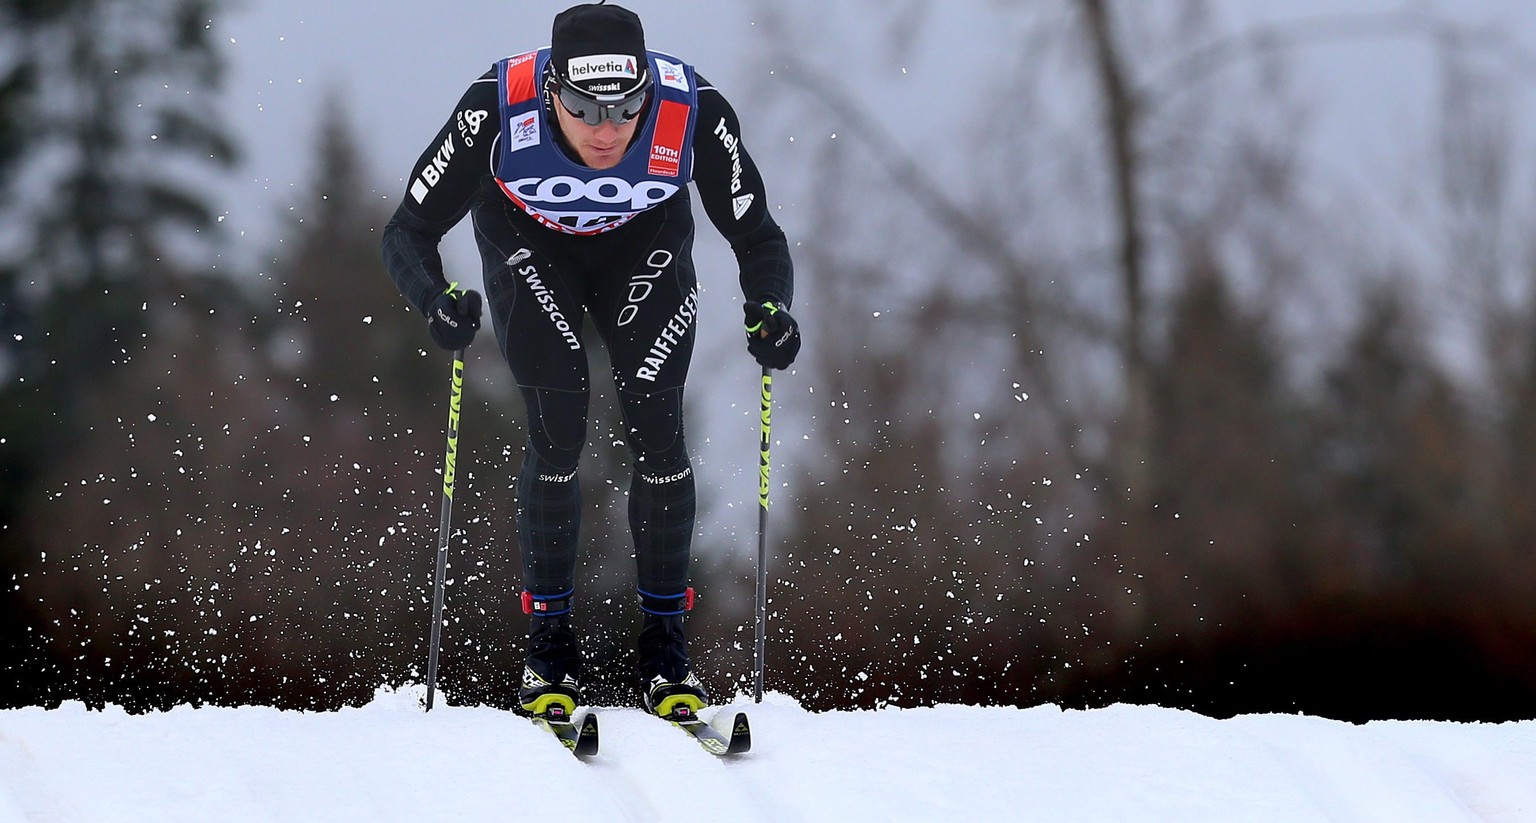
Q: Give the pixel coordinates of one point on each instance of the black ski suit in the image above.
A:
(635, 282)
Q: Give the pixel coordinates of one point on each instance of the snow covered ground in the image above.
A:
(389, 761)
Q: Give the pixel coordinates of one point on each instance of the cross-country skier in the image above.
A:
(574, 162)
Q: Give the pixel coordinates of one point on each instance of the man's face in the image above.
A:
(601, 146)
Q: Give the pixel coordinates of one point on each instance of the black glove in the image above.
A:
(453, 317)
(773, 337)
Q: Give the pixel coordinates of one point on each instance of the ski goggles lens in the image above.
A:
(593, 112)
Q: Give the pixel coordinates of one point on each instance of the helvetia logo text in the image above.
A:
(600, 65)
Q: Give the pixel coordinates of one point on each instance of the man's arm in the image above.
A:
(442, 187)
(732, 192)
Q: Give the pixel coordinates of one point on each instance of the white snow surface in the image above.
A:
(389, 761)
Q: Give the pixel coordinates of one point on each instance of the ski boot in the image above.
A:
(551, 686)
(675, 699)
(667, 687)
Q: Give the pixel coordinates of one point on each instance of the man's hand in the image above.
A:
(453, 317)
(773, 337)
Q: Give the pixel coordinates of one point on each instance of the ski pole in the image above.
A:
(455, 397)
(764, 464)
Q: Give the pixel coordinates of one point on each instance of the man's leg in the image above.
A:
(647, 318)
(537, 317)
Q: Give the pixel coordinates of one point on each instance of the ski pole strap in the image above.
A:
(666, 605)
(547, 605)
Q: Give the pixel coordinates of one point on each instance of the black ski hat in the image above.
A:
(599, 50)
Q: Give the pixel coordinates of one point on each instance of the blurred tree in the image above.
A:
(106, 118)
(19, 22)
(1151, 269)
(1224, 461)
(994, 506)
(262, 512)
(1517, 475)
(1122, 114)
(123, 107)
(344, 327)
(1398, 447)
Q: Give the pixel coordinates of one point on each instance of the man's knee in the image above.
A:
(557, 425)
(653, 425)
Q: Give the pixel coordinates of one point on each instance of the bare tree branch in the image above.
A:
(1199, 64)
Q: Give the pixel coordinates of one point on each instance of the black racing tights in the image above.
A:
(638, 287)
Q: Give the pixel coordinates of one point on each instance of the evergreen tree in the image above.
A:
(1396, 453)
(108, 105)
(107, 120)
(1221, 455)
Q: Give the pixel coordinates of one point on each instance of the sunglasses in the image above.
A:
(593, 112)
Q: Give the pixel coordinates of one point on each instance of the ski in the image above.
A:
(579, 736)
(733, 739)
